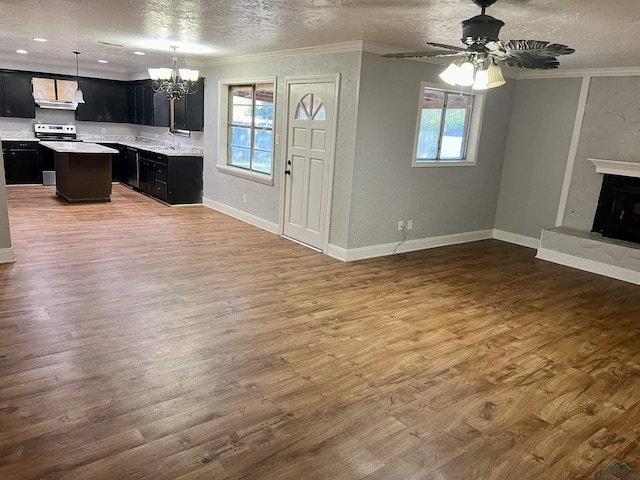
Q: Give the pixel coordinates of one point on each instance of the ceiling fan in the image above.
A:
(484, 52)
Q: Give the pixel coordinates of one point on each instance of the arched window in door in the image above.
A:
(311, 107)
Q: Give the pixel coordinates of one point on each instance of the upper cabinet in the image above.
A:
(189, 113)
(54, 89)
(104, 101)
(146, 107)
(18, 96)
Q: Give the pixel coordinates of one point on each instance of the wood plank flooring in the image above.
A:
(140, 341)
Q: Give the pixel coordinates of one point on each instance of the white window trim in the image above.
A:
(473, 139)
(223, 118)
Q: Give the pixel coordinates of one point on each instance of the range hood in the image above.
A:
(56, 104)
(55, 93)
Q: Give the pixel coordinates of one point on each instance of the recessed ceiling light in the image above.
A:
(102, 61)
(40, 39)
(21, 51)
(139, 53)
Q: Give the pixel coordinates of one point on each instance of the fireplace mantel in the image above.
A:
(617, 167)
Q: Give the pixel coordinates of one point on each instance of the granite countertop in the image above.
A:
(163, 149)
(141, 143)
(78, 147)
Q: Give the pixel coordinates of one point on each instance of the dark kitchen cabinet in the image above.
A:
(18, 96)
(115, 102)
(147, 175)
(22, 162)
(189, 112)
(172, 179)
(161, 110)
(131, 104)
(2, 96)
(105, 101)
(149, 108)
(92, 110)
(139, 92)
(118, 163)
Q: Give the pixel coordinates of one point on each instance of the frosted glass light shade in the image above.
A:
(482, 80)
(189, 75)
(451, 74)
(495, 77)
(160, 73)
(466, 74)
(78, 97)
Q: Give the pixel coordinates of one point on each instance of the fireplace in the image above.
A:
(618, 212)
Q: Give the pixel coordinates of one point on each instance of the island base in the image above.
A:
(83, 177)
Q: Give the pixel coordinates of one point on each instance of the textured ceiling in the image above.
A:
(603, 33)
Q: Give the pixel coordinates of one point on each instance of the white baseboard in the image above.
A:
(516, 239)
(241, 215)
(373, 251)
(591, 266)
(7, 255)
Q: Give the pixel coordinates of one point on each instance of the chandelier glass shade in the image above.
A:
(174, 82)
(476, 72)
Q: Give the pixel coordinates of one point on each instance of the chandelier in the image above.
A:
(174, 82)
(478, 71)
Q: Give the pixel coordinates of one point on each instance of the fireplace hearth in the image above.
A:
(618, 212)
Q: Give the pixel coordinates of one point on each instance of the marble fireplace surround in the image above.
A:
(591, 251)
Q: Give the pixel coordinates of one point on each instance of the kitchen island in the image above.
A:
(83, 170)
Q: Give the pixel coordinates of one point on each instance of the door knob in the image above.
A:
(288, 162)
(287, 172)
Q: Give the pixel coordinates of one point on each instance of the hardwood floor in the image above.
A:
(149, 342)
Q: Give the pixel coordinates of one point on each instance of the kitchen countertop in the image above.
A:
(140, 144)
(169, 150)
(78, 147)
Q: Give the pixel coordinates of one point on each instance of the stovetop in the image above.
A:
(52, 132)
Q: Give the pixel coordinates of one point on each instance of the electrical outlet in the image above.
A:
(409, 224)
(244, 198)
(400, 225)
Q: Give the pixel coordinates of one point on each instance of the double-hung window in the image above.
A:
(245, 128)
(248, 140)
(448, 127)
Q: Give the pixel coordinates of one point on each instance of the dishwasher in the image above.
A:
(133, 168)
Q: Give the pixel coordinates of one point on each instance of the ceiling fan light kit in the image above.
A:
(484, 54)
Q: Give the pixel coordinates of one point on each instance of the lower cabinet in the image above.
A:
(172, 179)
(22, 162)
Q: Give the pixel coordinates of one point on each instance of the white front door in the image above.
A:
(309, 160)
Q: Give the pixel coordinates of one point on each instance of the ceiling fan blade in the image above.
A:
(425, 54)
(447, 47)
(531, 54)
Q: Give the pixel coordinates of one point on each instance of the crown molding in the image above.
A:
(585, 72)
(345, 47)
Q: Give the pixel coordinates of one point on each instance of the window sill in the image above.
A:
(445, 163)
(247, 175)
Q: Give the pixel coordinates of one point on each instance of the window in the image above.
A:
(250, 127)
(448, 127)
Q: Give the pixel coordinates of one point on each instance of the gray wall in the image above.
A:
(540, 133)
(263, 201)
(386, 188)
(610, 130)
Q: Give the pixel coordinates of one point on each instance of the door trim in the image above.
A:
(331, 78)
